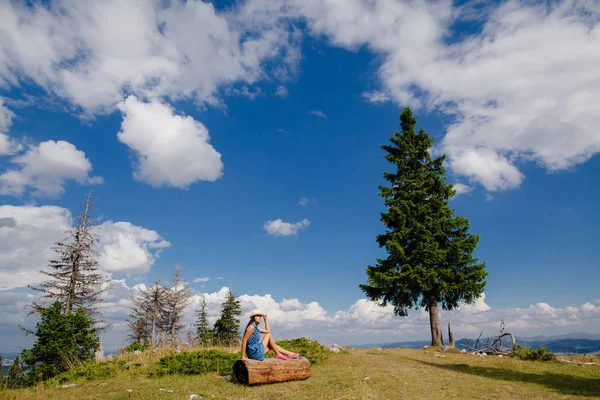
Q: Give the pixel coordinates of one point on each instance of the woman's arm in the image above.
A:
(247, 335)
(267, 330)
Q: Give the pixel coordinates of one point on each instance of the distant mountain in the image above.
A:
(556, 344)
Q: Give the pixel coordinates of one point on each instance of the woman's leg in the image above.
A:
(270, 344)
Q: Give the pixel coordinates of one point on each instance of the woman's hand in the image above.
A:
(264, 316)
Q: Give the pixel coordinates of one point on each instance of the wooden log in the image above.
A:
(270, 370)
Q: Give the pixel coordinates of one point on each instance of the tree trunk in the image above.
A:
(434, 322)
(450, 336)
(153, 330)
(270, 370)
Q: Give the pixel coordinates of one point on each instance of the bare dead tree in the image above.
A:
(149, 305)
(493, 345)
(75, 279)
(177, 299)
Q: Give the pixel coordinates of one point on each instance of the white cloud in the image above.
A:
(46, 168)
(362, 322)
(8, 145)
(318, 113)
(92, 53)
(279, 228)
(125, 248)
(281, 91)
(28, 233)
(171, 150)
(376, 97)
(280, 130)
(514, 97)
(304, 201)
(201, 279)
(26, 237)
(461, 188)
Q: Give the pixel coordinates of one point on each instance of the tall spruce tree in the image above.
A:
(177, 299)
(203, 331)
(227, 327)
(75, 278)
(430, 250)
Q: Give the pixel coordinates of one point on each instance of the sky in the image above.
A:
(241, 139)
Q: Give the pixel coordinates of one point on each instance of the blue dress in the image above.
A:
(254, 347)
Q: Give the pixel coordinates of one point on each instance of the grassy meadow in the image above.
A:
(350, 374)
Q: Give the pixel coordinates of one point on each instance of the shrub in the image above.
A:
(527, 353)
(137, 346)
(94, 370)
(312, 350)
(196, 362)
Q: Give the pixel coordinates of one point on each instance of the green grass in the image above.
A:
(392, 373)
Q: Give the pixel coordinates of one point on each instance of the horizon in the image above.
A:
(241, 139)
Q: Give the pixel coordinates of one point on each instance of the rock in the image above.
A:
(137, 352)
(499, 356)
(367, 378)
(463, 351)
(194, 396)
(68, 386)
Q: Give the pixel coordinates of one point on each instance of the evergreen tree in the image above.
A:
(203, 331)
(63, 342)
(149, 305)
(15, 375)
(430, 250)
(75, 279)
(177, 299)
(227, 327)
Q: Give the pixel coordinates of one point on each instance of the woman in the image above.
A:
(253, 348)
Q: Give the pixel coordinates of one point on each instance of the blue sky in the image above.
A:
(296, 99)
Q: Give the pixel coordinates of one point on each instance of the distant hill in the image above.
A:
(576, 343)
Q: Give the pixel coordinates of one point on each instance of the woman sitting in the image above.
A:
(253, 348)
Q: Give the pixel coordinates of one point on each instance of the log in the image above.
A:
(270, 370)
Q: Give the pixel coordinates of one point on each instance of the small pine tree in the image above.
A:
(75, 279)
(63, 342)
(227, 327)
(177, 299)
(203, 331)
(15, 375)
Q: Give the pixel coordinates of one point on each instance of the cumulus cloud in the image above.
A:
(513, 98)
(318, 113)
(376, 97)
(92, 53)
(461, 188)
(279, 228)
(362, 322)
(201, 279)
(171, 150)
(28, 233)
(46, 168)
(125, 248)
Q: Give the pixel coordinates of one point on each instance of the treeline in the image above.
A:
(157, 311)
(70, 321)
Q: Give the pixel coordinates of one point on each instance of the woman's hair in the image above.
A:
(250, 322)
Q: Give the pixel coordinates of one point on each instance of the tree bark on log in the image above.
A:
(270, 370)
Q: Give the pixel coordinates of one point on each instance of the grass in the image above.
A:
(391, 373)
